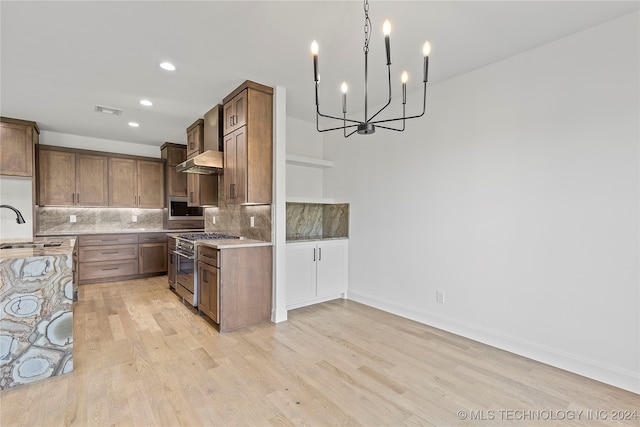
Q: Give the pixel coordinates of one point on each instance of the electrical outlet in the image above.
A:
(440, 297)
(253, 222)
(134, 218)
(72, 218)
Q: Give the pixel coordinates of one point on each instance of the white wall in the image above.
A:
(16, 191)
(518, 196)
(107, 145)
(303, 140)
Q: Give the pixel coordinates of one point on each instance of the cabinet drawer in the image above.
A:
(108, 253)
(107, 239)
(107, 269)
(208, 255)
(152, 238)
(177, 225)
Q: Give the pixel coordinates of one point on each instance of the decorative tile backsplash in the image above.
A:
(58, 220)
(315, 220)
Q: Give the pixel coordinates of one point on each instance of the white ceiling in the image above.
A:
(59, 59)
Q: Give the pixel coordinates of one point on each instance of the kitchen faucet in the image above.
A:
(19, 218)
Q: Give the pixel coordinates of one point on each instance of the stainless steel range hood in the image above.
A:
(210, 159)
(208, 163)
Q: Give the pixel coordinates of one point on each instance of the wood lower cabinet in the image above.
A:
(152, 253)
(238, 292)
(316, 272)
(17, 141)
(208, 277)
(110, 257)
(171, 261)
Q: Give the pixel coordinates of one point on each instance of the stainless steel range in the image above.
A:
(186, 262)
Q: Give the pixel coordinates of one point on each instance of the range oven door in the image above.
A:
(185, 277)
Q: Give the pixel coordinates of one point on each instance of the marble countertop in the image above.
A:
(234, 243)
(139, 231)
(291, 239)
(66, 247)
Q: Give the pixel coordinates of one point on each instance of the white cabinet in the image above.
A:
(316, 272)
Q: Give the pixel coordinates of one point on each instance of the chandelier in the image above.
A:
(368, 125)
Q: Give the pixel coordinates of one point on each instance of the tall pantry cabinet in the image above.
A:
(248, 144)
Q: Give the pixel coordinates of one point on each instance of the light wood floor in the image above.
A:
(142, 358)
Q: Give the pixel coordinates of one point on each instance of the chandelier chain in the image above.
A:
(367, 27)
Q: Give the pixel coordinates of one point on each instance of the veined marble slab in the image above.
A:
(36, 313)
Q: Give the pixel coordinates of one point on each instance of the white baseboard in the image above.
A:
(622, 378)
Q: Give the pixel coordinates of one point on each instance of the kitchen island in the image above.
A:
(37, 290)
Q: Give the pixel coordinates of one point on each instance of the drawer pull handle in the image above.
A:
(107, 269)
(109, 253)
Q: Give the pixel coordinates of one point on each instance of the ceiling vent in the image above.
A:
(108, 110)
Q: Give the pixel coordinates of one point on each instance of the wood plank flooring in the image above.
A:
(142, 358)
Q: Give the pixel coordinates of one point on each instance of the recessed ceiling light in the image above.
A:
(146, 102)
(134, 124)
(168, 66)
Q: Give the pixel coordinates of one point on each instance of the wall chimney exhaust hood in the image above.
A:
(210, 160)
(208, 163)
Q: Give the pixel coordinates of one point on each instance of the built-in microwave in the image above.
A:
(178, 210)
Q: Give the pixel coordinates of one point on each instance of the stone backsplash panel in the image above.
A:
(316, 220)
(52, 220)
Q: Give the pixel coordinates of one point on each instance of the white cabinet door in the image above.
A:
(301, 272)
(331, 272)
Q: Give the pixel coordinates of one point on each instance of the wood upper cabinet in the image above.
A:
(248, 149)
(176, 182)
(17, 140)
(195, 138)
(150, 184)
(66, 178)
(202, 190)
(136, 183)
(235, 112)
(122, 182)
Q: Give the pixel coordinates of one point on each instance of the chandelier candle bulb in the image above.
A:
(314, 52)
(386, 29)
(404, 79)
(344, 96)
(426, 50)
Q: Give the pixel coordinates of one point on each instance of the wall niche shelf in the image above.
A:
(311, 162)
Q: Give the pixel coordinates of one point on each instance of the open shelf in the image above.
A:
(293, 159)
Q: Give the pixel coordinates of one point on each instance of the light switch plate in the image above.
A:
(134, 218)
(72, 218)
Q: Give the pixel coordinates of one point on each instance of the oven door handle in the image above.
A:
(184, 255)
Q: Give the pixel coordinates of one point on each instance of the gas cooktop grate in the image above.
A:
(206, 236)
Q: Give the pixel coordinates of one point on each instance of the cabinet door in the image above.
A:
(171, 267)
(193, 189)
(92, 185)
(301, 272)
(176, 182)
(235, 167)
(331, 273)
(195, 139)
(16, 144)
(122, 182)
(208, 291)
(56, 178)
(150, 184)
(235, 113)
(152, 258)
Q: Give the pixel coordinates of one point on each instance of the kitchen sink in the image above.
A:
(29, 245)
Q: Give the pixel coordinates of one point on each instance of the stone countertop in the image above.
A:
(66, 247)
(299, 239)
(139, 231)
(234, 243)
